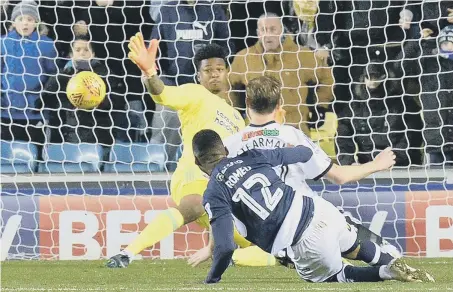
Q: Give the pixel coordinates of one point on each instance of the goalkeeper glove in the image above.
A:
(144, 58)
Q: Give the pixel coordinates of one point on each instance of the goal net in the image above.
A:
(356, 76)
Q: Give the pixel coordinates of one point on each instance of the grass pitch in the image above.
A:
(176, 275)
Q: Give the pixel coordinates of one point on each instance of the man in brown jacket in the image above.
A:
(296, 67)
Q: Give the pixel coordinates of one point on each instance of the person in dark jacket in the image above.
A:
(436, 81)
(27, 61)
(70, 124)
(426, 15)
(341, 31)
(379, 116)
(183, 28)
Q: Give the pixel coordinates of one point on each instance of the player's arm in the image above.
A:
(320, 165)
(205, 253)
(348, 173)
(317, 164)
(287, 156)
(219, 212)
(174, 97)
(223, 247)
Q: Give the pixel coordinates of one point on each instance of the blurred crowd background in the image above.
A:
(357, 76)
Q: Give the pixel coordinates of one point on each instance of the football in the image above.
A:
(86, 90)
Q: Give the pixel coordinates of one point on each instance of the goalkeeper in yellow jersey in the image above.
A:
(199, 107)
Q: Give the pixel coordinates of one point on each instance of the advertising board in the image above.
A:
(84, 226)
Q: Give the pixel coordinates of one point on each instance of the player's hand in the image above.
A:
(280, 115)
(200, 256)
(385, 159)
(144, 58)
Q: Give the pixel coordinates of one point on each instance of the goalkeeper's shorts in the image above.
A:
(189, 180)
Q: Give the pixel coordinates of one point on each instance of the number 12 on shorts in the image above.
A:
(270, 200)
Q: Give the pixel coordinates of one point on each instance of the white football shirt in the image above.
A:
(273, 135)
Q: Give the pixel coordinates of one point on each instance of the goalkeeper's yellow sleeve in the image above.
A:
(180, 97)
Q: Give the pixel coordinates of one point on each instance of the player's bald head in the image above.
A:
(263, 94)
(208, 149)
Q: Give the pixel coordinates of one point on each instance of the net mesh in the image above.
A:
(356, 76)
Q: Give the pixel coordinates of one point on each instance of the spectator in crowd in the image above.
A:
(428, 16)
(312, 24)
(296, 67)
(4, 4)
(342, 30)
(243, 16)
(380, 115)
(154, 8)
(66, 19)
(183, 27)
(138, 107)
(27, 61)
(107, 23)
(112, 22)
(69, 124)
(436, 80)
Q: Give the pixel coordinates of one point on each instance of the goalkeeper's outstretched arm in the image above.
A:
(349, 173)
(223, 247)
(154, 85)
(175, 97)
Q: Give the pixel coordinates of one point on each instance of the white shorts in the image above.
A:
(317, 256)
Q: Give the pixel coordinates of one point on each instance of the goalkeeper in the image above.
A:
(198, 108)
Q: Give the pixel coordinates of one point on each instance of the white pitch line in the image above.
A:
(312, 287)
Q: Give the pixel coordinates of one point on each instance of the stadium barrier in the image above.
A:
(43, 218)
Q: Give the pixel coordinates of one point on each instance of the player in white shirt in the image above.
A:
(271, 135)
(264, 133)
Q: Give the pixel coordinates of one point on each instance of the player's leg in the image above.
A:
(189, 209)
(355, 248)
(317, 257)
(365, 234)
(187, 190)
(253, 256)
(250, 256)
(368, 252)
(246, 255)
(187, 193)
(163, 225)
(383, 265)
(396, 270)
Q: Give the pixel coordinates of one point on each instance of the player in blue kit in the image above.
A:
(315, 234)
